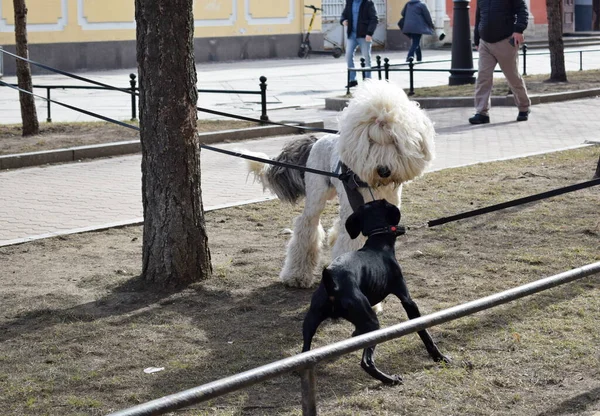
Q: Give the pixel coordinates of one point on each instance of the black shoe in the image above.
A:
(523, 115)
(479, 119)
(351, 84)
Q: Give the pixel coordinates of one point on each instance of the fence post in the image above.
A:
(524, 59)
(263, 98)
(581, 60)
(348, 82)
(411, 73)
(48, 113)
(309, 398)
(378, 60)
(363, 64)
(597, 174)
(386, 66)
(133, 101)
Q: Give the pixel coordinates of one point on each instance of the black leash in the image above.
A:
(514, 202)
(128, 91)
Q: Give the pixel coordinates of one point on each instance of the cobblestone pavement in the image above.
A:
(52, 200)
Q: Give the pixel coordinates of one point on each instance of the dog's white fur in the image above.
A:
(380, 127)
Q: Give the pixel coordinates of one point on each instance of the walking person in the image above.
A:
(360, 19)
(499, 26)
(417, 22)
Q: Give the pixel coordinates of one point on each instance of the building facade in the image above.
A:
(100, 34)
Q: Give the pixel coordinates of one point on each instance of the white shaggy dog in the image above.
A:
(384, 138)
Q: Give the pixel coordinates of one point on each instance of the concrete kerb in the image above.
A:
(339, 103)
(73, 154)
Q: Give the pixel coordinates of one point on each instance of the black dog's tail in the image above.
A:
(331, 286)
(286, 183)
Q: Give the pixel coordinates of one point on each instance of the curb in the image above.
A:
(339, 103)
(73, 154)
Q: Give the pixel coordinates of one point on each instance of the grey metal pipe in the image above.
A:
(309, 392)
(310, 358)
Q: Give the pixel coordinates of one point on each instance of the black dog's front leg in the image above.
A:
(412, 310)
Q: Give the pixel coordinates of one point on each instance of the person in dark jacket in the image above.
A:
(417, 22)
(360, 19)
(499, 26)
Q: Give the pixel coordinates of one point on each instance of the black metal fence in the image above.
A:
(133, 90)
(383, 69)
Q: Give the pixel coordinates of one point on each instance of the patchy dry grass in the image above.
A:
(62, 135)
(78, 326)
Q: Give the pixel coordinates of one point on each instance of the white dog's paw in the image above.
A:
(299, 283)
(294, 280)
(378, 308)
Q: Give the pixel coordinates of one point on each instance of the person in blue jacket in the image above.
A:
(417, 22)
(360, 19)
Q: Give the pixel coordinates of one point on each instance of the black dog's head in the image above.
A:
(372, 216)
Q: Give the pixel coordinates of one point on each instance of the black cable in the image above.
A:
(67, 74)
(306, 128)
(204, 146)
(89, 113)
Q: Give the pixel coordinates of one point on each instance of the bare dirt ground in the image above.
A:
(78, 327)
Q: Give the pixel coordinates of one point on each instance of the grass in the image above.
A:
(536, 84)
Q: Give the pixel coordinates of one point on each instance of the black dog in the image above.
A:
(357, 280)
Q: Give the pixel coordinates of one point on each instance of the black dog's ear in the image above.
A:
(354, 223)
(392, 213)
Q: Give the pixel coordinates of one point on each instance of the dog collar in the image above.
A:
(396, 230)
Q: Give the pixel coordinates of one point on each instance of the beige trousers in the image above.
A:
(507, 56)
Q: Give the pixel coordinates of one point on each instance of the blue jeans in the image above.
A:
(415, 47)
(365, 50)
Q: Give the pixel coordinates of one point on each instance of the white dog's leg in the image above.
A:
(332, 233)
(304, 249)
(343, 242)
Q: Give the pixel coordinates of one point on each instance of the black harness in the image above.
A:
(351, 183)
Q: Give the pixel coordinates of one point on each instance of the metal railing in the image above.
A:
(383, 69)
(133, 90)
(306, 362)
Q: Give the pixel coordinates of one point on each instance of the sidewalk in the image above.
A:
(291, 84)
(53, 200)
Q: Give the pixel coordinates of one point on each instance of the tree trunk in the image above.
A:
(31, 125)
(554, 10)
(175, 244)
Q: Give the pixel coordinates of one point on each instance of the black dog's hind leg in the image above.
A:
(318, 312)
(412, 310)
(365, 320)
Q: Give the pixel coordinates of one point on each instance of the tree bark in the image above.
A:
(29, 118)
(554, 9)
(175, 243)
